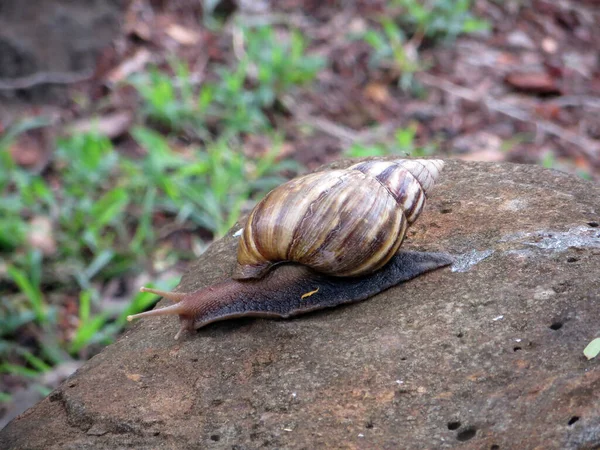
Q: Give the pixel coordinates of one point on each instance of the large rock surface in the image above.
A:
(487, 355)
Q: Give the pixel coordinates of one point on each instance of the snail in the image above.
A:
(318, 241)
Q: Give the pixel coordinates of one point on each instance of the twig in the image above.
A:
(587, 146)
(346, 135)
(38, 78)
(576, 100)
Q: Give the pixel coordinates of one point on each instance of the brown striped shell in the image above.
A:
(339, 222)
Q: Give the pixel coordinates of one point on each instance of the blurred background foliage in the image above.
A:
(201, 140)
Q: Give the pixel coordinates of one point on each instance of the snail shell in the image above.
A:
(339, 222)
(345, 223)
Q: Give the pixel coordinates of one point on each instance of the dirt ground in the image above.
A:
(526, 91)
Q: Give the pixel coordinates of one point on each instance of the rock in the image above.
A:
(489, 353)
(53, 37)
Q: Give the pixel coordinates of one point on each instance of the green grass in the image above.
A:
(235, 102)
(101, 213)
(439, 19)
(393, 39)
(403, 144)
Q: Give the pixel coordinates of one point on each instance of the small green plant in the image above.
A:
(439, 19)
(390, 48)
(236, 102)
(279, 65)
(168, 99)
(393, 42)
(403, 144)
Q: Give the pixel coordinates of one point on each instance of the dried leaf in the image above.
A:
(377, 92)
(134, 64)
(28, 150)
(110, 125)
(183, 35)
(41, 235)
(483, 155)
(549, 45)
(535, 82)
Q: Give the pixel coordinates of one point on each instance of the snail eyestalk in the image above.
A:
(178, 308)
(173, 310)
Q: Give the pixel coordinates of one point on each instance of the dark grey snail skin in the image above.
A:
(290, 290)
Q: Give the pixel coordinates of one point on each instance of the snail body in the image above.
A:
(338, 233)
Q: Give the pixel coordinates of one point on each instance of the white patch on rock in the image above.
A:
(515, 204)
(238, 232)
(464, 262)
(558, 241)
(542, 293)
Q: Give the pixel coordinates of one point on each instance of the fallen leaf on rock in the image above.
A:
(592, 349)
(534, 82)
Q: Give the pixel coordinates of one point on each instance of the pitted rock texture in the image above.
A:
(489, 357)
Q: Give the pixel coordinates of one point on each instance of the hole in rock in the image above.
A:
(466, 434)
(495, 447)
(454, 425)
(446, 210)
(369, 425)
(573, 419)
(593, 224)
(459, 334)
(556, 326)
(516, 349)
(215, 437)
(572, 259)
(403, 358)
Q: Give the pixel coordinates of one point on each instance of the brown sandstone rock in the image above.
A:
(485, 356)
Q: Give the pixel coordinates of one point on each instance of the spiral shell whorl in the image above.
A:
(409, 186)
(339, 222)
